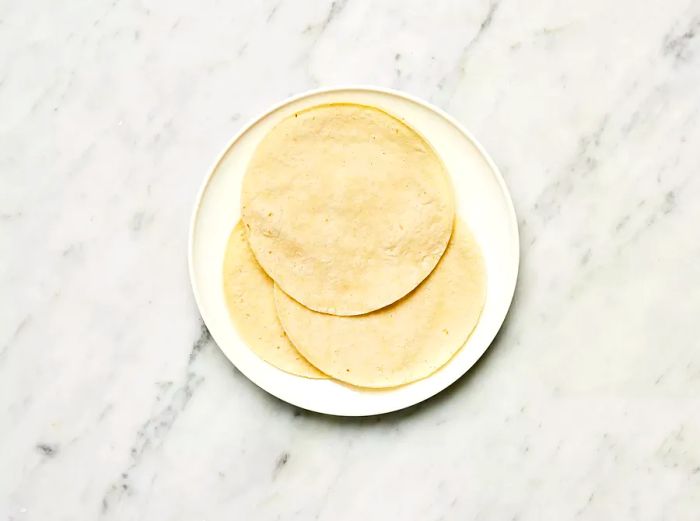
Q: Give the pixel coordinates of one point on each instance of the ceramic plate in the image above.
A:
(482, 201)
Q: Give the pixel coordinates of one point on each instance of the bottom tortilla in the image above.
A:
(249, 294)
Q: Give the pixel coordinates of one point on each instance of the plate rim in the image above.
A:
(250, 122)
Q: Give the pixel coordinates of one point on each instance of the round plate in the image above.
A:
(482, 201)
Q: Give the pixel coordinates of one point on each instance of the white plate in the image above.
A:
(483, 202)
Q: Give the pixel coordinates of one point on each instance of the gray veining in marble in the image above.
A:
(114, 402)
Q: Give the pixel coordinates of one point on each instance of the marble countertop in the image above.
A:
(116, 404)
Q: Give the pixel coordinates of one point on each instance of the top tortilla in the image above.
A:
(347, 208)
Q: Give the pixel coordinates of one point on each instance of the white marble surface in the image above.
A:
(114, 403)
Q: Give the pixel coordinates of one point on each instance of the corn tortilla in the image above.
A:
(401, 343)
(250, 301)
(347, 208)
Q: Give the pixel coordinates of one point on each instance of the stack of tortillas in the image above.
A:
(348, 261)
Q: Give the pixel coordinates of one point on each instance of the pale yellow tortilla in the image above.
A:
(250, 301)
(401, 343)
(347, 208)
